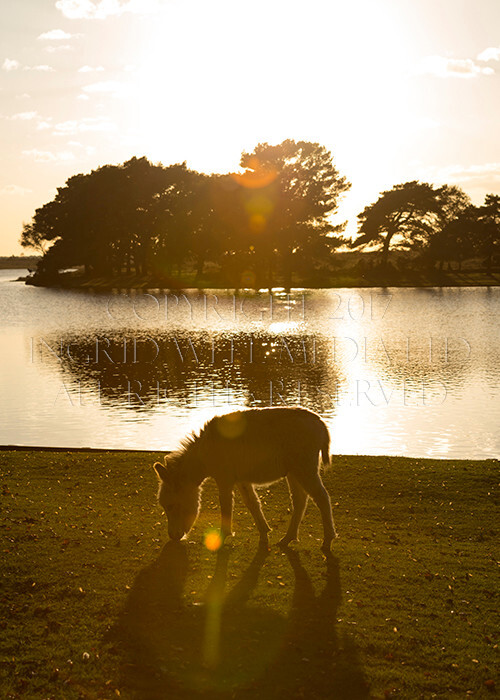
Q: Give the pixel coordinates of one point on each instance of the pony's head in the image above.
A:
(179, 498)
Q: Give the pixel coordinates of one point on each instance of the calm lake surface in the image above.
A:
(412, 372)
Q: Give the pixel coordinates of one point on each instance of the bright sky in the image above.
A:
(396, 89)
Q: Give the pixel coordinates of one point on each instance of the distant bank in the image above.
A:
(19, 262)
(336, 279)
(351, 269)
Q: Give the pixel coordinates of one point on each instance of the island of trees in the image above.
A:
(149, 225)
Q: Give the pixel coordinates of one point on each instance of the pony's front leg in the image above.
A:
(226, 509)
(252, 502)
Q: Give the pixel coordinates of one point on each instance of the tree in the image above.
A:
(450, 238)
(404, 216)
(145, 194)
(175, 224)
(451, 203)
(103, 219)
(43, 228)
(472, 231)
(208, 237)
(488, 230)
(76, 219)
(455, 241)
(142, 216)
(288, 193)
(32, 238)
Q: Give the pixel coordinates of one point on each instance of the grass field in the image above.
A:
(97, 604)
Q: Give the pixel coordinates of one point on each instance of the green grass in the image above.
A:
(96, 604)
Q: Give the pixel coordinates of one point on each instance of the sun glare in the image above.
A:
(266, 73)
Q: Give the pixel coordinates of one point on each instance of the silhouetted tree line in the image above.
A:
(273, 218)
(265, 223)
(440, 223)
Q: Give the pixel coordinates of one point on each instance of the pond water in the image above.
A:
(413, 372)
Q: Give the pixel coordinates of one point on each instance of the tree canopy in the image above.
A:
(266, 222)
(278, 209)
(403, 214)
(488, 228)
(416, 215)
(144, 217)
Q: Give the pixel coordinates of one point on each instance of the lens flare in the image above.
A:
(256, 175)
(231, 425)
(248, 278)
(257, 223)
(213, 541)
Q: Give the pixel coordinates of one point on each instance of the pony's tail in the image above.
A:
(325, 449)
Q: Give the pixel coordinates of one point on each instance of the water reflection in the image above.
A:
(285, 364)
(392, 371)
(146, 372)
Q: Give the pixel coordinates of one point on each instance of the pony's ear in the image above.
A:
(161, 471)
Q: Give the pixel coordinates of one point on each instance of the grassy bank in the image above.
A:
(97, 604)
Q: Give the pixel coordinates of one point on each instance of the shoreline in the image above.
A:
(347, 278)
(132, 450)
(105, 288)
(43, 448)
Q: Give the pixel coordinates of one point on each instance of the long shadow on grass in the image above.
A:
(229, 646)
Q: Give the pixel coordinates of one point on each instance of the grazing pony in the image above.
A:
(256, 446)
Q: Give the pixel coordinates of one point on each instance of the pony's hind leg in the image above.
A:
(252, 502)
(315, 488)
(226, 509)
(299, 503)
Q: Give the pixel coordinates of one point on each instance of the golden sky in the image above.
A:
(396, 89)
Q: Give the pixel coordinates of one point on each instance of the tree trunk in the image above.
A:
(385, 250)
(287, 271)
(200, 266)
(270, 273)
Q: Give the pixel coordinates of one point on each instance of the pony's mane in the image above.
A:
(188, 440)
(187, 443)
